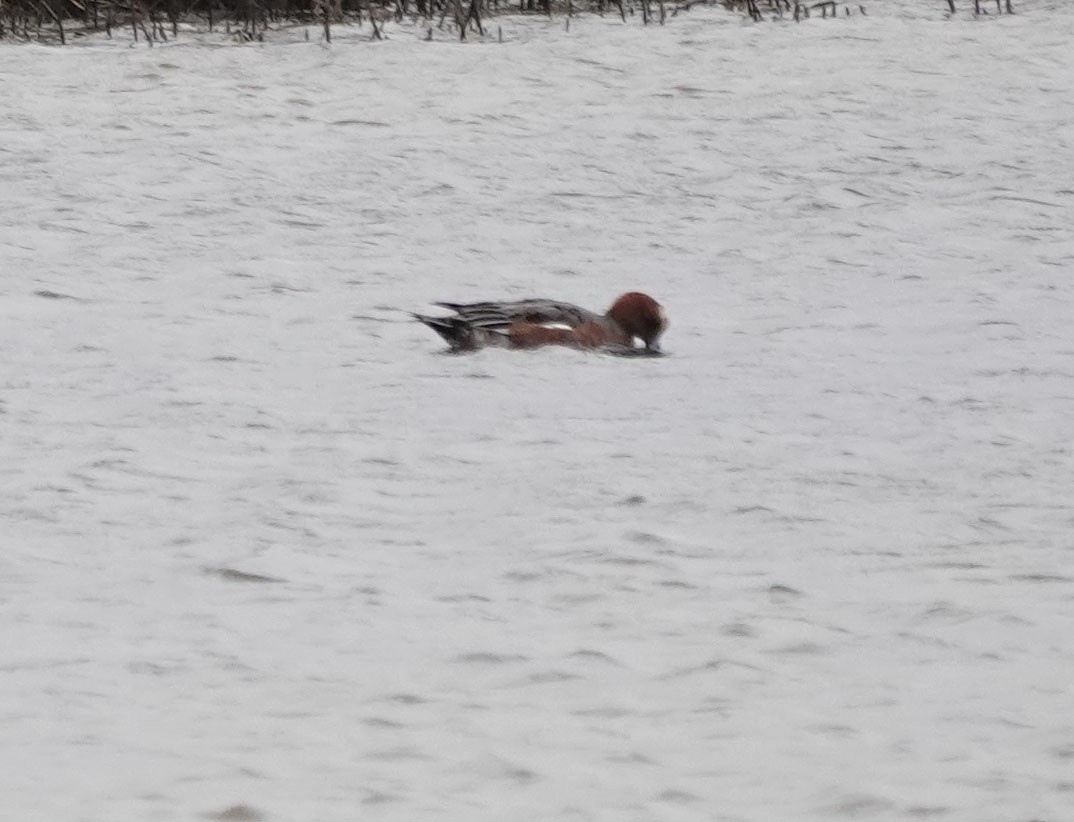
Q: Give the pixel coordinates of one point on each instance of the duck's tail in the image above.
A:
(460, 334)
(452, 331)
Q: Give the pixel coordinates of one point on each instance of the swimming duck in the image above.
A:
(533, 323)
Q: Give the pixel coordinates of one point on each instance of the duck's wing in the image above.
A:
(494, 316)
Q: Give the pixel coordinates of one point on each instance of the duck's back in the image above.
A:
(500, 315)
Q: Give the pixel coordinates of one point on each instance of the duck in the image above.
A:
(532, 323)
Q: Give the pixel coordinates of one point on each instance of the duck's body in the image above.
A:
(533, 323)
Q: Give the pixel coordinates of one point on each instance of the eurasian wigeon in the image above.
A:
(533, 323)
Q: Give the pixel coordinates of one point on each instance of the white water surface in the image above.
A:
(267, 553)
